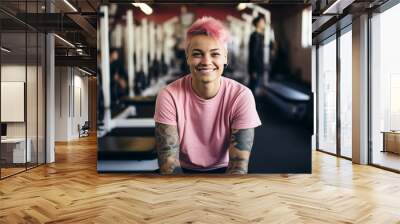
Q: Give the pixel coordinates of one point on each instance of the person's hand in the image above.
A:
(122, 83)
(116, 77)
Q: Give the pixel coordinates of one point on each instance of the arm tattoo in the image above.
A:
(167, 145)
(237, 165)
(239, 150)
(242, 139)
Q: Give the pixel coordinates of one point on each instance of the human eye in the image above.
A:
(215, 54)
(196, 54)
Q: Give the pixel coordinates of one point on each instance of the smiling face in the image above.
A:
(206, 58)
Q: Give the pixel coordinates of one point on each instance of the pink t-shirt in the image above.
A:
(204, 126)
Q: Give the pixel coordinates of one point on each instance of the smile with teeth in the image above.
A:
(206, 70)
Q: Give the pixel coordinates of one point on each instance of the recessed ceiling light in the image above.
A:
(84, 71)
(337, 7)
(5, 50)
(241, 6)
(144, 7)
(64, 40)
(70, 5)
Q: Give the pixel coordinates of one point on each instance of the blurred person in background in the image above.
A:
(118, 78)
(256, 54)
(100, 94)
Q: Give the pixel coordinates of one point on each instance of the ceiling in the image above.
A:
(76, 24)
(328, 15)
(80, 27)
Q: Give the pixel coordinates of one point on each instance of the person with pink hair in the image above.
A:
(205, 122)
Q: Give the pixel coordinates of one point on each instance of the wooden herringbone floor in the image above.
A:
(71, 191)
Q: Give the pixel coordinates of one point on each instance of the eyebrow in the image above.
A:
(214, 49)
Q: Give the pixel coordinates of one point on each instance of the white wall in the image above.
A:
(16, 72)
(33, 126)
(62, 81)
(314, 91)
(80, 110)
(71, 94)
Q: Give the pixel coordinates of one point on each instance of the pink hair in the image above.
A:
(210, 27)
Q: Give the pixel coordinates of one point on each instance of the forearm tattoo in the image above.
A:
(167, 145)
(242, 139)
(237, 165)
(239, 150)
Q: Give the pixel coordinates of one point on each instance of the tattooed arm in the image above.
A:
(239, 150)
(167, 144)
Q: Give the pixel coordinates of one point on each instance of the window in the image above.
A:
(385, 88)
(22, 61)
(346, 93)
(327, 96)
